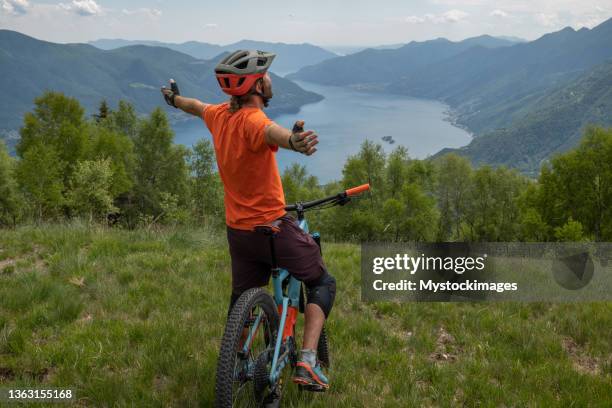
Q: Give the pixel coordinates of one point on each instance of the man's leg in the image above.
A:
(298, 253)
(320, 298)
(314, 319)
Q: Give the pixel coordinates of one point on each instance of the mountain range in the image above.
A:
(493, 90)
(551, 123)
(289, 58)
(375, 67)
(135, 73)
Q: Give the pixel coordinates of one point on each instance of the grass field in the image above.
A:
(134, 318)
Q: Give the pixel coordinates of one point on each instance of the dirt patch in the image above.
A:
(6, 374)
(582, 363)
(445, 347)
(85, 319)
(6, 263)
(160, 382)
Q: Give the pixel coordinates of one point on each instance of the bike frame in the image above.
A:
(288, 303)
(288, 307)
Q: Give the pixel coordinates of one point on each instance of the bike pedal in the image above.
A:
(312, 388)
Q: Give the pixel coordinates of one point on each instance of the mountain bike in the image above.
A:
(259, 343)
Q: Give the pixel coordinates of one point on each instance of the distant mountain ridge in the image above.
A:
(290, 57)
(491, 89)
(347, 50)
(29, 67)
(380, 67)
(553, 123)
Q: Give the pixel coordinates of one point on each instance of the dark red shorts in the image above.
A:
(295, 250)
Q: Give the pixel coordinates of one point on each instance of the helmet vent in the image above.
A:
(242, 65)
(240, 81)
(261, 62)
(227, 82)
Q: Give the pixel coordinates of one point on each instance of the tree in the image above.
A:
(396, 171)
(492, 211)
(40, 178)
(206, 188)
(298, 185)
(454, 178)
(57, 123)
(420, 214)
(367, 166)
(109, 144)
(571, 231)
(160, 165)
(578, 185)
(124, 120)
(103, 112)
(90, 193)
(9, 200)
(393, 212)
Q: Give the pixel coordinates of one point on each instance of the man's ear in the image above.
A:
(259, 85)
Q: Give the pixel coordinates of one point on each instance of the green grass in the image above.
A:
(134, 318)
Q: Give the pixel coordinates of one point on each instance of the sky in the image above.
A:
(321, 22)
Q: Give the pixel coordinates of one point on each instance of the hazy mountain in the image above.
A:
(516, 99)
(553, 123)
(484, 40)
(290, 58)
(381, 67)
(29, 66)
(491, 87)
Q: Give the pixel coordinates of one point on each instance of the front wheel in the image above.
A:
(254, 315)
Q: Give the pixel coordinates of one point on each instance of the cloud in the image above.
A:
(547, 20)
(451, 16)
(15, 7)
(149, 12)
(415, 19)
(82, 7)
(499, 13)
(211, 26)
(454, 16)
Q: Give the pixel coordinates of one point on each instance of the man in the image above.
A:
(245, 142)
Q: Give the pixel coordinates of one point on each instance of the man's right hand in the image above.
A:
(301, 141)
(170, 93)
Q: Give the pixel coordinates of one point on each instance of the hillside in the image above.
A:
(290, 57)
(134, 318)
(490, 87)
(510, 97)
(30, 66)
(378, 67)
(552, 123)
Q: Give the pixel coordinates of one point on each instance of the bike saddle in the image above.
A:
(271, 228)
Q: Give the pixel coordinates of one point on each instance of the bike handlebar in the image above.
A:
(340, 197)
(357, 190)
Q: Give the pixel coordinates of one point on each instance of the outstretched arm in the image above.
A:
(297, 140)
(189, 105)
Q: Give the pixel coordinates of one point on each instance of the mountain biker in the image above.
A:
(245, 142)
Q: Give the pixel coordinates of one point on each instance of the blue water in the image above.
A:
(345, 118)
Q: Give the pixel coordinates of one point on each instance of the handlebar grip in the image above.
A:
(357, 190)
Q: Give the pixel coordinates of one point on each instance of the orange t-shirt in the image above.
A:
(247, 166)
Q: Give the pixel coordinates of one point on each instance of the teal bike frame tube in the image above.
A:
(279, 339)
(247, 343)
(277, 284)
(303, 225)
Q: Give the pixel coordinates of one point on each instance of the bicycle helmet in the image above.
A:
(238, 71)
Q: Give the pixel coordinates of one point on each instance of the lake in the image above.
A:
(345, 118)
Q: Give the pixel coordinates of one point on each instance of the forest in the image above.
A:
(125, 171)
